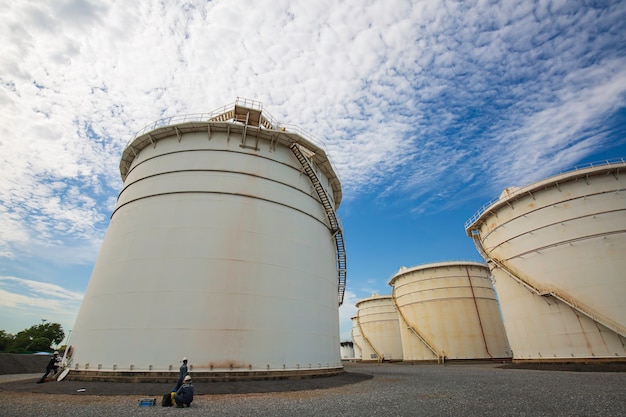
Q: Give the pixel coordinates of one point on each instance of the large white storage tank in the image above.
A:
(557, 249)
(449, 311)
(223, 247)
(377, 321)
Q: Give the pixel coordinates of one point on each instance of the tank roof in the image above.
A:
(230, 118)
(511, 194)
(404, 270)
(372, 298)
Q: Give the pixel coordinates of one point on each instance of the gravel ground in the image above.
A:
(365, 390)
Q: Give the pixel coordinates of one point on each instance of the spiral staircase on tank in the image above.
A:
(250, 113)
(539, 290)
(335, 226)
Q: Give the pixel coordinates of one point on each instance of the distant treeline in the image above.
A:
(37, 338)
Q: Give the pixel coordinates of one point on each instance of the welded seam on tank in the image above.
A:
(443, 298)
(219, 193)
(273, 161)
(317, 149)
(437, 278)
(503, 224)
(438, 265)
(331, 195)
(497, 203)
(442, 288)
(564, 242)
(381, 314)
(440, 277)
(546, 226)
(213, 171)
(213, 192)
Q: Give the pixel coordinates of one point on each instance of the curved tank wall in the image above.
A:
(218, 250)
(377, 321)
(357, 340)
(448, 310)
(556, 249)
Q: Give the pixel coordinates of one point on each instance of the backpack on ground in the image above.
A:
(167, 400)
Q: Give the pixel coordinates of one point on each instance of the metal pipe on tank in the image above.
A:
(480, 323)
(440, 356)
(379, 356)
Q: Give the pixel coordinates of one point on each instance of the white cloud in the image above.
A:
(418, 100)
(29, 301)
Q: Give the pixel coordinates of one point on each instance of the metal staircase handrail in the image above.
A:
(536, 289)
(335, 225)
(379, 357)
(224, 114)
(412, 329)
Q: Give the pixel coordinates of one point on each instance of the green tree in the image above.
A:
(6, 339)
(38, 344)
(52, 331)
(23, 341)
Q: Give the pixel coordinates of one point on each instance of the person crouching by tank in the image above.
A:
(182, 374)
(53, 366)
(184, 395)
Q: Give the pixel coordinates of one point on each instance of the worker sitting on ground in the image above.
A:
(184, 395)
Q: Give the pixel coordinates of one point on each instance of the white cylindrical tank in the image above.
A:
(357, 340)
(223, 247)
(448, 310)
(377, 321)
(557, 251)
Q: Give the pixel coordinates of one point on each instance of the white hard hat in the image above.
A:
(184, 359)
(187, 378)
(56, 352)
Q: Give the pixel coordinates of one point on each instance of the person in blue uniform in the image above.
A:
(53, 366)
(184, 395)
(183, 373)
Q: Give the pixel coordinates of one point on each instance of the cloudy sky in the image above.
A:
(428, 110)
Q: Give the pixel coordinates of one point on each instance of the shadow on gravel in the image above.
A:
(202, 388)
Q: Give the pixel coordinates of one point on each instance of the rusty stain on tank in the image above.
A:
(223, 365)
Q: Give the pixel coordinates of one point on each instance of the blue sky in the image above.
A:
(429, 109)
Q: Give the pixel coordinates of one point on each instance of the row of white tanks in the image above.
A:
(224, 246)
(436, 312)
(556, 258)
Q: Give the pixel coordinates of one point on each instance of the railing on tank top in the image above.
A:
(217, 116)
(485, 206)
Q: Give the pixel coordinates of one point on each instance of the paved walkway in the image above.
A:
(18, 377)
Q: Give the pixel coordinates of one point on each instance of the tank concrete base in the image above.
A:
(589, 361)
(199, 376)
(458, 361)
